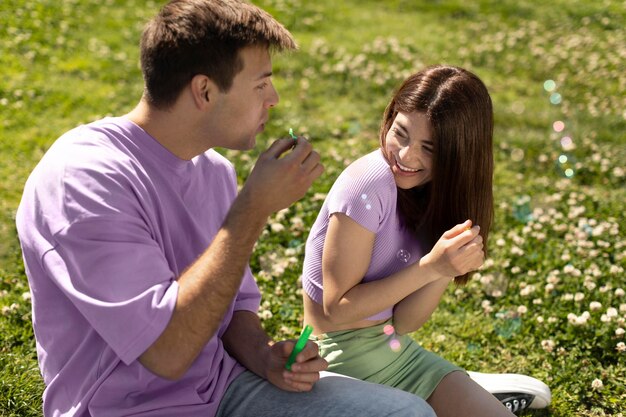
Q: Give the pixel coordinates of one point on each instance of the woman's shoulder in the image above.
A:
(372, 166)
(367, 176)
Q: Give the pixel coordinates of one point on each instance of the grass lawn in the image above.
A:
(549, 302)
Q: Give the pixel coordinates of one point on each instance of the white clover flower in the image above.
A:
(549, 287)
(440, 338)
(537, 301)
(605, 319)
(619, 332)
(621, 347)
(548, 345)
(571, 318)
(567, 297)
(500, 242)
(622, 308)
(527, 290)
(522, 310)
(496, 293)
(579, 296)
(597, 384)
(589, 285)
(486, 279)
(265, 314)
(595, 306)
(612, 312)
(552, 320)
(277, 227)
(615, 269)
(539, 319)
(619, 292)
(516, 270)
(26, 296)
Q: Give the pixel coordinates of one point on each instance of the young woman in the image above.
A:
(397, 227)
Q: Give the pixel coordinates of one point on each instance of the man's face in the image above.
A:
(241, 113)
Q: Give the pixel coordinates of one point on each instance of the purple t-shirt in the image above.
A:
(108, 220)
(366, 192)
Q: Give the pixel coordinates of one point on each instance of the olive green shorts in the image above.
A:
(376, 354)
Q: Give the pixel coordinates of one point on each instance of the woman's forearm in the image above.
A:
(412, 312)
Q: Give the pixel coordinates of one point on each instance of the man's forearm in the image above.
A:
(206, 289)
(246, 340)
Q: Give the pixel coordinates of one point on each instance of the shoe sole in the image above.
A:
(503, 383)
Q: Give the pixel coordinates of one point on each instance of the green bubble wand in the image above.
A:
(300, 344)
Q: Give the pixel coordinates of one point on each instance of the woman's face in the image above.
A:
(409, 147)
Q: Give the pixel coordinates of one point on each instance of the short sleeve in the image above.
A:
(116, 276)
(249, 296)
(362, 198)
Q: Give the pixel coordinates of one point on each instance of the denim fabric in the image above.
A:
(333, 396)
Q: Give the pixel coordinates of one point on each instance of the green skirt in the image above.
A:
(376, 354)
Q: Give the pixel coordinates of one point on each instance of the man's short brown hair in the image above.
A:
(191, 37)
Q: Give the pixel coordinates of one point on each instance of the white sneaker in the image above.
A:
(517, 392)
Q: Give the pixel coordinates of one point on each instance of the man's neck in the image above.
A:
(172, 128)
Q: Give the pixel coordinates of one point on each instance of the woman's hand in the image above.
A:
(305, 371)
(457, 252)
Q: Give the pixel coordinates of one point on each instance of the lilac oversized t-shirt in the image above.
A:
(366, 192)
(108, 220)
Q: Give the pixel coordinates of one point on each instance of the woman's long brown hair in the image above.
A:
(460, 112)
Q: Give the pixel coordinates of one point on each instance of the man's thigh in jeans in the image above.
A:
(332, 396)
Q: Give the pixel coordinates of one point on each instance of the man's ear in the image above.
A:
(203, 90)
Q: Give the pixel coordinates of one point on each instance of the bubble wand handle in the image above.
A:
(294, 137)
(306, 332)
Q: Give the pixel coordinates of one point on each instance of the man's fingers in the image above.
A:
(278, 147)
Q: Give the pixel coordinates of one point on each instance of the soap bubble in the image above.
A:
(522, 210)
(517, 154)
(507, 326)
(388, 329)
(558, 126)
(566, 165)
(364, 196)
(555, 98)
(549, 85)
(567, 143)
(403, 255)
(395, 345)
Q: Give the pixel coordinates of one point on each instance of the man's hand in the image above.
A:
(276, 182)
(305, 371)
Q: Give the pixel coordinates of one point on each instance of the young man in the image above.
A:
(136, 242)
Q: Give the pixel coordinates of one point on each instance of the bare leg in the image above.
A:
(458, 395)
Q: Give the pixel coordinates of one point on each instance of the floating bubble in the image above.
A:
(549, 85)
(518, 107)
(403, 255)
(566, 165)
(388, 329)
(368, 206)
(517, 154)
(364, 196)
(395, 345)
(506, 327)
(522, 210)
(555, 98)
(558, 126)
(566, 142)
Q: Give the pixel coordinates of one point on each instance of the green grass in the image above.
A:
(70, 62)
